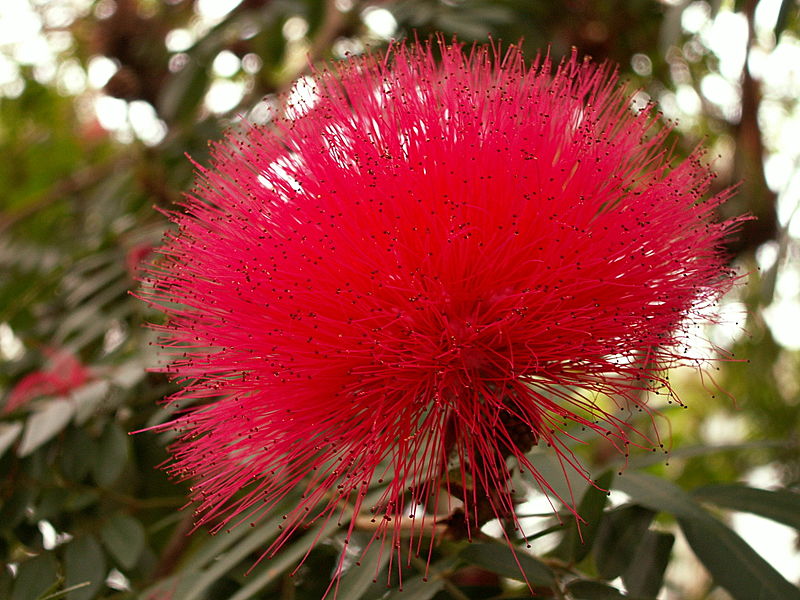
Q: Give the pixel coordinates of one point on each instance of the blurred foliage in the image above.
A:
(85, 511)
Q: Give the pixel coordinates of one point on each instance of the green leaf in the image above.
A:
(659, 495)
(657, 458)
(44, 424)
(184, 91)
(733, 564)
(620, 532)
(417, 588)
(500, 559)
(783, 17)
(195, 583)
(782, 506)
(9, 432)
(359, 577)
(566, 482)
(579, 538)
(50, 503)
(192, 584)
(645, 573)
(80, 499)
(35, 577)
(124, 538)
(112, 455)
(129, 373)
(273, 568)
(593, 590)
(78, 454)
(88, 398)
(84, 561)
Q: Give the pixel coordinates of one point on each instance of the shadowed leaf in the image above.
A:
(645, 573)
(501, 560)
(733, 564)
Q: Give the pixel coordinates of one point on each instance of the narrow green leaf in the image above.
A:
(84, 561)
(417, 588)
(564, 479)
(733, 564)
(645, 573)
(88, 398)
(359, 577)
(619, 534)
(129, 373)
(9, 432)
(112, 455)
(659, 495)
(183, 91)
(35, 577)
(782, 506)
(196, 583)
(500, 559)
(273, 568)
(593, 590)
(655, 458)
(44, 424)
(579, 537)
(124, 538)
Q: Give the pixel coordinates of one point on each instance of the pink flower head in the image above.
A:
(62, 374)
(424, 269)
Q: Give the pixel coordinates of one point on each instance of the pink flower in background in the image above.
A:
(424, 270)
(62, 374)
(135, 257)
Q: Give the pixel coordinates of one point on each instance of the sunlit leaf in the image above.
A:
(655, 458)
(782, 506)
(359, 577)
(659, 494)
(48, 420)
(9, 432)
(88, 398)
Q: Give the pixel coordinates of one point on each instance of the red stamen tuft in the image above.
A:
(422, 271)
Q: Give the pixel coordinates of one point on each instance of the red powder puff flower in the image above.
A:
(62, 374)
(423, 270)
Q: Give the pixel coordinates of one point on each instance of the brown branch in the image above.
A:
(754, 196)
